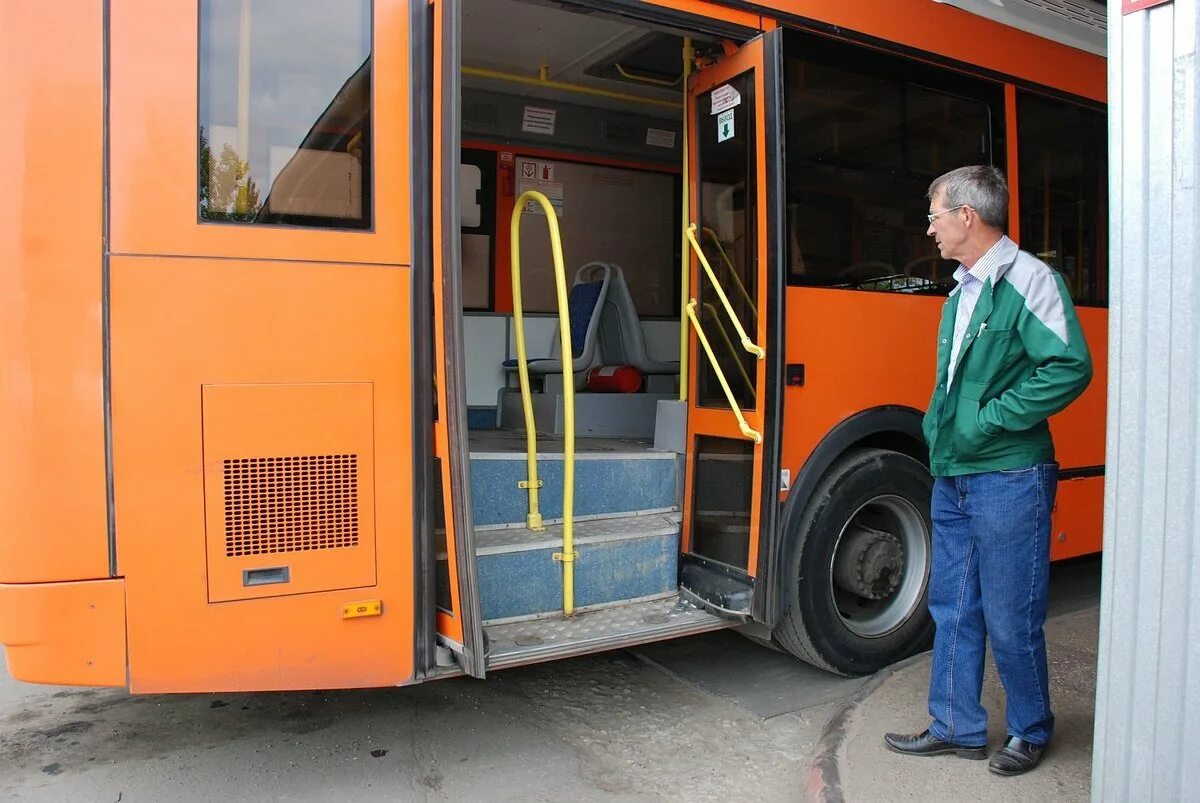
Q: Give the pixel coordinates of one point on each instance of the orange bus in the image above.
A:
(265, 420)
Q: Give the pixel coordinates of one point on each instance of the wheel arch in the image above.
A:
(893, 427)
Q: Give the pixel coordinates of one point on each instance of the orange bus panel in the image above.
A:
(1078, 519)
(53, 508)
(329, 332)
(65, 633)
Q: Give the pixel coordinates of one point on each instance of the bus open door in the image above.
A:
(734, 309)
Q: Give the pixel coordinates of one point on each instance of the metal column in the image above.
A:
(1148, 684)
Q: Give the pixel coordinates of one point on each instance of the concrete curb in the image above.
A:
(823, 783)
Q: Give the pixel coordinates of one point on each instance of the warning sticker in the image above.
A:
(725, 97)
(539, 120)
(660, 138)
(553, 190)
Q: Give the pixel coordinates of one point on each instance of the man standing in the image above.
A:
(1010, 354)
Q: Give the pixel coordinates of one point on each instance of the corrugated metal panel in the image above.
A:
(1077, 23)
(1148, 685)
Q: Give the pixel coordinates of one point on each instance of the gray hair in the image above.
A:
(981, 187)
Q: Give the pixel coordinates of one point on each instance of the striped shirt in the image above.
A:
(970, 285)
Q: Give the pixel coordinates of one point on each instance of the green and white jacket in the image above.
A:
(1023, 359)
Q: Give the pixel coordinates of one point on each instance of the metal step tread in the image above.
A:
(493, 541)
(609, 627)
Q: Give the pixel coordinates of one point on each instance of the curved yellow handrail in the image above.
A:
(746, 429)
(747, 343)
(712, 313)
(534, 520)
(629, 75)
(737, 280)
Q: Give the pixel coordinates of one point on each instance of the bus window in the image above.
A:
(1064, 191)
(285, 113)
(477, 199)
(866, 134)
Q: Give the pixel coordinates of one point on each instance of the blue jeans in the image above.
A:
(991, 566)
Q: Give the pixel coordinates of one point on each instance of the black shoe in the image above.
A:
(926, 744)
(1017, 756)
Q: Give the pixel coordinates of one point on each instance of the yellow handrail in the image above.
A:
(646, 79)
(685, 267)
(712, 313)
(733, 405)
(747, 343)
(534, 520)
(737, 280)
(543, 79)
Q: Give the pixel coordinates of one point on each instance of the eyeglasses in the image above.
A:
(936, 215)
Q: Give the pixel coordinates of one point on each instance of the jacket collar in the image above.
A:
(992, 265)
(996, 262)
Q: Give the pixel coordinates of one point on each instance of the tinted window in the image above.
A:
(285, 112)
(477, 199)
(866, 134)
(1063, 167)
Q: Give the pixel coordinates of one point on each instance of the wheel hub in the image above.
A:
(870, 562)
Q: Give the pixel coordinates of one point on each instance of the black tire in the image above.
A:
(870, 500)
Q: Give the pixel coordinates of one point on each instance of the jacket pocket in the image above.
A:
(992, 354)
(969, 438)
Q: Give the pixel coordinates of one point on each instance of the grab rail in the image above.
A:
(532, 484)
(746, 429)
(747, 343)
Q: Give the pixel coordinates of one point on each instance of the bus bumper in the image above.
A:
(69, 634)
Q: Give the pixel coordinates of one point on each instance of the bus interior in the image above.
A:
(585, 108)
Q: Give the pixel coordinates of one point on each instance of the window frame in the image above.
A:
(154, 147)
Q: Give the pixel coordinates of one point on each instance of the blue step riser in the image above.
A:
(610, 486)
(530, 582)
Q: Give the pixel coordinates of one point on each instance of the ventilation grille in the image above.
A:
(1080, 12)
(290, 504)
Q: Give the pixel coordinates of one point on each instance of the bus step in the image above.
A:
(606, 485)
(619, 559)
(588, 631)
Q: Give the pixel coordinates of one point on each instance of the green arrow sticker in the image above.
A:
(725, 125)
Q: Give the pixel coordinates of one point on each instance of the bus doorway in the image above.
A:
(584, 111)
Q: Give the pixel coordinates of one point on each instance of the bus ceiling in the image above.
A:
(545, 52)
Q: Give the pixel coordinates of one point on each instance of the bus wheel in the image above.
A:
(862, 565)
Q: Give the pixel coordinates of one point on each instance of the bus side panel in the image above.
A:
(1079, 430)
(66, 634)
(243, 386)
(1078, 519)
(859, 350)
(862, 350)
(53, 510)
